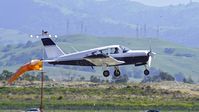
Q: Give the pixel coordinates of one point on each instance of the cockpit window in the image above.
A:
(115, 50)
(104, 51)
(124, 49)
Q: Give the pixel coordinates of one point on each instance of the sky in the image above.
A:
(164, 2)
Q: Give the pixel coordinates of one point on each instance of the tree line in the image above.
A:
(124, 78)
(5, 75)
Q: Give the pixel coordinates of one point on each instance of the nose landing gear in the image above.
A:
(146, 72)
(117, 72)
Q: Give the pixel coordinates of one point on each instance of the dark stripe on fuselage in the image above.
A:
(133, 60)
(127, 60)
(47, 42)
(73, 62)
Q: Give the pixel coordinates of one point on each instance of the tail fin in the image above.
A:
(51, 49)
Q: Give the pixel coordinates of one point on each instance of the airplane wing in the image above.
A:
(102, 59)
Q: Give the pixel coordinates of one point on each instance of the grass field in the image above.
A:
(90, 96)
(101, 110)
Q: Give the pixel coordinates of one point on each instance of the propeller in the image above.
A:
(150, 55)
(149, 61)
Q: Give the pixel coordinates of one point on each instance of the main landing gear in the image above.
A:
(106, 73)
(117, 72)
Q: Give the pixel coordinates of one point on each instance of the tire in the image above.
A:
(117, 73)
(146, 72)
(106, 73)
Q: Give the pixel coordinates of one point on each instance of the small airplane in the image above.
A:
(107, 56)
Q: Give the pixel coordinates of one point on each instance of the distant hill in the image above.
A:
(172, 58)
(8, 36)
(102, 18)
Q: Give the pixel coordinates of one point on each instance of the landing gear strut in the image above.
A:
(106, 72)
(146, 72)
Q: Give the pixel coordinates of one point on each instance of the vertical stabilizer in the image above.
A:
(51, 49)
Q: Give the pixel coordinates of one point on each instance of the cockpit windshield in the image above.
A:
(124, 49)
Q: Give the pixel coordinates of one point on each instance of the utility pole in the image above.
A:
(141, 31)
(42, 91)
(158, 31)
(85, 28)
(67, 26)
(42, 78)
(190, 1)
(82, 27)
(145, 31)
(137, 31)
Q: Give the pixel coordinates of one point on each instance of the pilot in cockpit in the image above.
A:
(116, 51)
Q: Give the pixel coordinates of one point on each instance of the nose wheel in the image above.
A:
(117, 71)
(146, 72)
(106, 73)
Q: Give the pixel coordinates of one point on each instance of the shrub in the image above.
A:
(163, 76)
(169, 50)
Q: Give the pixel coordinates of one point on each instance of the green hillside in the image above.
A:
(171, 58)
(9, 36)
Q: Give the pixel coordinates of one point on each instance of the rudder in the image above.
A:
(51, 49)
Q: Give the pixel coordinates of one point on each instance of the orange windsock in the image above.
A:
(33, 65)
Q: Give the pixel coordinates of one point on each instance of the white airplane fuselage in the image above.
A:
(137, 57)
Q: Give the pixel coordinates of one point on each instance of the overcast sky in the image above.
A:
(164, 2)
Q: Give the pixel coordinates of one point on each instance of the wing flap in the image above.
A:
(101, 60)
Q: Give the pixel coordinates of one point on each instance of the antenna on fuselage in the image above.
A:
(150, 48)
(74, 49)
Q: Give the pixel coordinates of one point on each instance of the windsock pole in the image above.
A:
(42, 91)
(42, 81)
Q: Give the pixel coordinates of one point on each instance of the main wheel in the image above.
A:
(106, 73)
(146, 72)
(117, 73)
